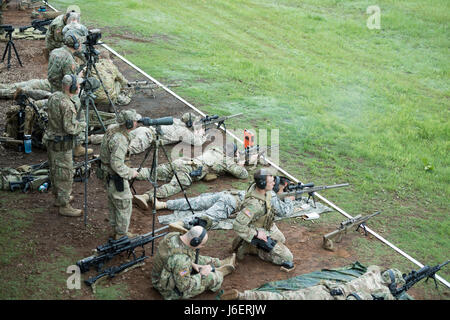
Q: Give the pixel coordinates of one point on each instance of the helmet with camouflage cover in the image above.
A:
(125, 115)
(393, 275)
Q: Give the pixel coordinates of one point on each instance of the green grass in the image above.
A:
(368, 107)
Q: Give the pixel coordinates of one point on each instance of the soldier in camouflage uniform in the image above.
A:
(174, 262)
(116, 173)
(75, 27)
(54, 37)
(36, 89)
(372, 285)
(60, 136)
(115, 83)
(255, 222)
(187, 130)
(62, 61)
(213, 162)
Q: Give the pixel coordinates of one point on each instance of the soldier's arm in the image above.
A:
(282, 208)
(70, 123)
(181, 267)
(119, 147)
(243, 219)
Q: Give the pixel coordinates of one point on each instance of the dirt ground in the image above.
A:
(51, 231)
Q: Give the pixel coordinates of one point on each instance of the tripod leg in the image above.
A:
(17, 55)
(98, 116)
(9, 55)
(4, 52)
(104, 89)
(140, 167)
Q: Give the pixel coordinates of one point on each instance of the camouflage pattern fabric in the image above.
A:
(36, 89)
(62, 122)
(256, 214)
(113, 151)
(54, 35)
(369, 286)
(114, 82)
(29, 34)
(217, 211)
(8, 175)
(179, 132)
(60, 63)
(212, 161)
(172, 267)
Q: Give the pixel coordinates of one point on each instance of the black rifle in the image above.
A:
(210, 121)
(113, 271)
(299, 188)
(415, 276)
(37, 24)
(23, 185)
(112, 248)
(264, 245)
(79, 172)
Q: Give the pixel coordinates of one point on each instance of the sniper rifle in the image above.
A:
(209, 122)
(299, 188)
(337, 234)
(37, 24)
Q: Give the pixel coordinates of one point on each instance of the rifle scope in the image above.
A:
(299, 186)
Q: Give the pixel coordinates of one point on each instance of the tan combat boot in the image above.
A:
(55, 204)
(226, 269)
(232, 294)
(141, 201)
(80, 150)
(231, 260)
(68, 211)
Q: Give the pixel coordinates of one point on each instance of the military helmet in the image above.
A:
(71, 40)
(187, 116)
(127, 115)
(73, 8)
(391, 275)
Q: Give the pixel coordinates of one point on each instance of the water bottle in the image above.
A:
(43, 187)
(27, 143)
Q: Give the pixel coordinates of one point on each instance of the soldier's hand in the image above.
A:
(205, 270)
(135, 173)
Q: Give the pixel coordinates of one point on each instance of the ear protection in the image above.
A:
(73, 85)
(261, 182)
(276, 187)
(195, 242)
(76, 44)
(129, 124)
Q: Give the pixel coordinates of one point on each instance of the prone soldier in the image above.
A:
(179, 272)
(208, 166)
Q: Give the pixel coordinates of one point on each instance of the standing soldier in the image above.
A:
(254, 224)
(176, 272)
(208, 166)
(60, 137)
(54, 36)
(116, 173)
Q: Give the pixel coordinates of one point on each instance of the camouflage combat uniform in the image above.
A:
(60, 139)
(114, 82)
(370, 286)
(172, 267)
(60, 63)
(113, 151)
(36, 89)
(213, 161)
(256, 213)
(222, 205)
(54, 35)
(81, 32)
(180, 132)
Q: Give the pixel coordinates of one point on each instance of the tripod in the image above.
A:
(153, 179)
(9, 30)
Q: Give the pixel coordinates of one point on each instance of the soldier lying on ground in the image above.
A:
(217, 206)
(212, 163)
(176, 272)
(254, 224)
(142, 137)
(372, 285)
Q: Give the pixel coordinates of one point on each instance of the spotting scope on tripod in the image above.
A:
(9, 30)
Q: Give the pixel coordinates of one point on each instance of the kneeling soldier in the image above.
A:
(177, 275)
(254, 224)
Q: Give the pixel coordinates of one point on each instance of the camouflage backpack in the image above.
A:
(23, 178)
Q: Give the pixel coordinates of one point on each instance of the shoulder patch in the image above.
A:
(184, 272)
(248, 213)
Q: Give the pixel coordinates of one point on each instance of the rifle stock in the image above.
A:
(212, 121)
